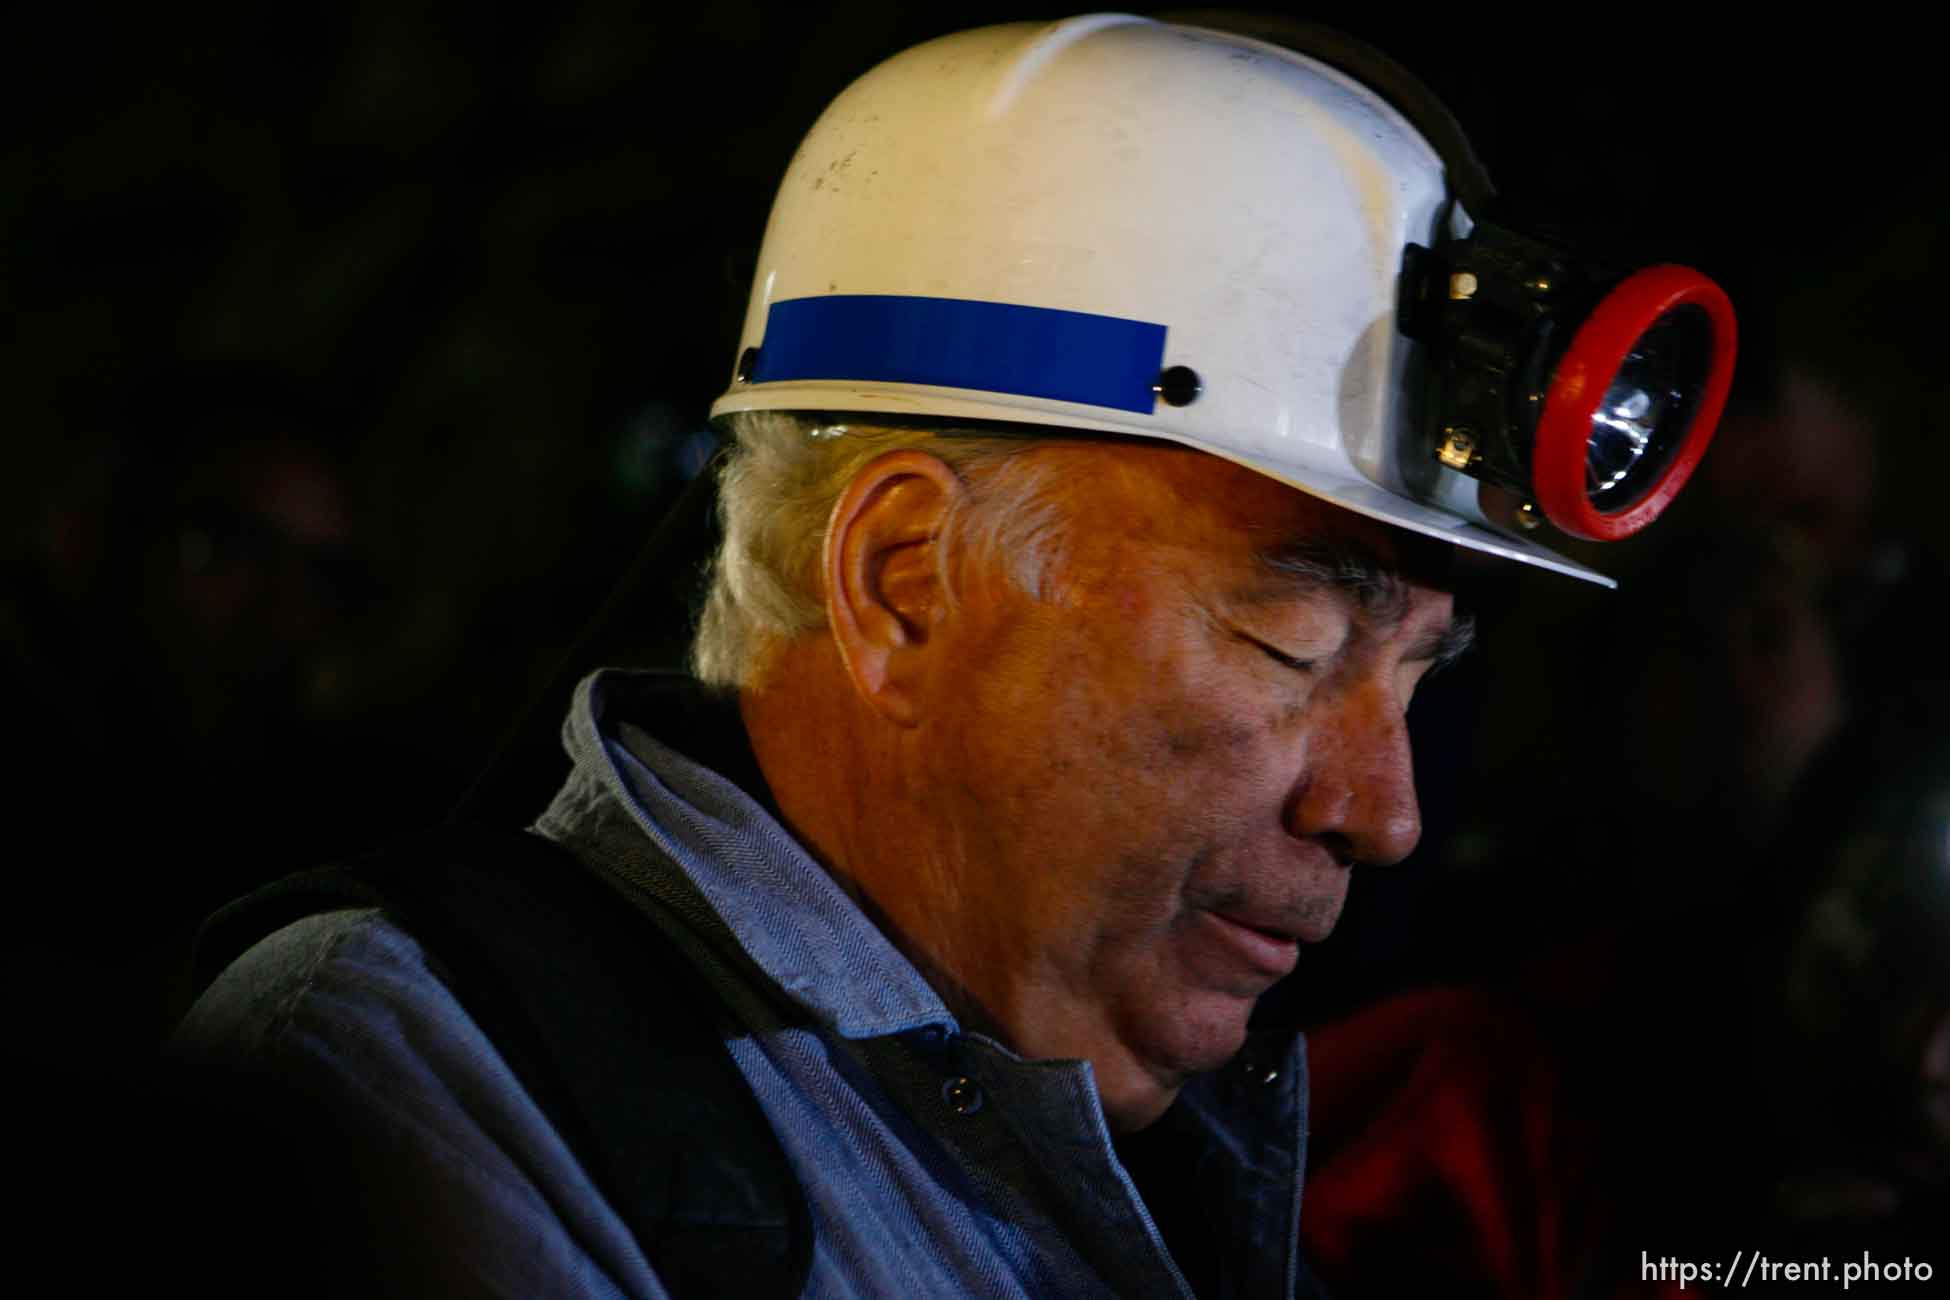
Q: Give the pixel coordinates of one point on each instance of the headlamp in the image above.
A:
(1591, 392)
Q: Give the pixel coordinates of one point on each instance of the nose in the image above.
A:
(1357, 791)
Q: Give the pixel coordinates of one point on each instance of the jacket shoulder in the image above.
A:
(490, 966)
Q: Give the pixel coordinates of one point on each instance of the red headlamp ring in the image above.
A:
(1597, 352)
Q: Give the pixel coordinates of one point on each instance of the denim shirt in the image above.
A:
(935, 1161)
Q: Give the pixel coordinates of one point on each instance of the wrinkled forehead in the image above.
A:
(1271, 531)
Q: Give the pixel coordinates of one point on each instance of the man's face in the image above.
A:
(1160, 775)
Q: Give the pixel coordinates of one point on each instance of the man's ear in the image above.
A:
(884, 594)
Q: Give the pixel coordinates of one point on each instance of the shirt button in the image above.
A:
(1257, 1073)
(962, 1095)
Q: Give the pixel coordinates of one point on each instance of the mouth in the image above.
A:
(1268, 952)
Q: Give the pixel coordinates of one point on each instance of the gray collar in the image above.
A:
(790, 917)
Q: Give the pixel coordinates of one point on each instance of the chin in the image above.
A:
(1207, 1034)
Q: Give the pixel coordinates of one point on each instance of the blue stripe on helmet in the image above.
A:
(993, 347)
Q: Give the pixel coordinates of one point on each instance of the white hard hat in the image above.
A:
(1117, 225)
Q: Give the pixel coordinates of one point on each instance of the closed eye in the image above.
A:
(1276, 654)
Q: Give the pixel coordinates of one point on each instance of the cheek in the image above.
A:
(1219, 731)
(1205, 744)
(1128, 730)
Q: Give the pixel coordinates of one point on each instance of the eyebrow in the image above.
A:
(1376, 588)
(1290, 567)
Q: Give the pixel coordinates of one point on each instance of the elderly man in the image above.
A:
(1080, 559)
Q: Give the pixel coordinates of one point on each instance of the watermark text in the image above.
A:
(1748, 1267)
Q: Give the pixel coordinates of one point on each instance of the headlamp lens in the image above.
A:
(1631, 404)
(1647, 409)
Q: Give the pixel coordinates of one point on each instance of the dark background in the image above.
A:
(352, 351)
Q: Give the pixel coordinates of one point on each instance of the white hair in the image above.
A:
(782, 477)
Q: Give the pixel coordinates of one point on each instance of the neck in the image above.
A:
(853, 788)
(864, 797)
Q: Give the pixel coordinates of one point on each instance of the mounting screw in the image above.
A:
(1458, 449)
(747, 365)
(1462, 285)
(1178, 386)
(1528, 517)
